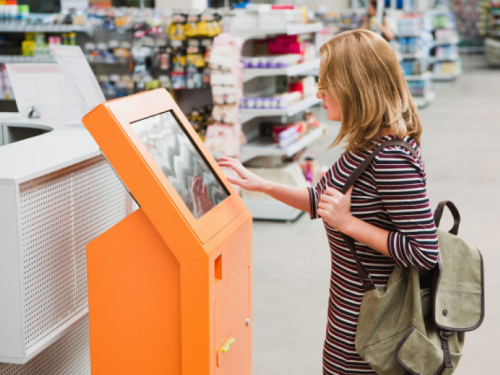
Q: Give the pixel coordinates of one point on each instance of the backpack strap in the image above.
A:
(438, 213)
(362, 273)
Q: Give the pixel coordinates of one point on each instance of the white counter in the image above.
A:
(57, 193)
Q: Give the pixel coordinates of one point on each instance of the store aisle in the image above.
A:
(291, 260)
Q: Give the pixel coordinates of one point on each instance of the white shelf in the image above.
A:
(248, 114)
(415, 34)
(289, 30)
(441, 42)
(251, 73)
(272, 210)
(263, 146)
(26, 59)
(20, 28)
(453, 57)
(421, 77)
(423, 101)
(445, 77)
(416, 55)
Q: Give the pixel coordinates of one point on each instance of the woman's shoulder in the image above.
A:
(400, 152)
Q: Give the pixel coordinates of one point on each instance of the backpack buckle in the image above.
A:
(445, 335)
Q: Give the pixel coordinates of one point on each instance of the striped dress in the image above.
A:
(390, 194)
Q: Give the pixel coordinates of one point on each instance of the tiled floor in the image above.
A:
(461, 148)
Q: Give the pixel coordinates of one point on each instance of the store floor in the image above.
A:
(460, 145)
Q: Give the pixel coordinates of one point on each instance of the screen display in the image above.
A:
(181, 162)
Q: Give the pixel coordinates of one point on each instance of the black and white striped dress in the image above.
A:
(390, 194)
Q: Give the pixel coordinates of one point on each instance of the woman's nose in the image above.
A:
(318, 95)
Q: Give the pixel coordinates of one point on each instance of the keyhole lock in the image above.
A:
(445, 312)
(247, 322)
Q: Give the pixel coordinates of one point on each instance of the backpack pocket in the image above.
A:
(418, 355)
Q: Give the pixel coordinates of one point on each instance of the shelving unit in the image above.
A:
(441, 42)
(492, 42)
(446, 77)
(247, 114)
(261, 146)
(415, 65)
(5, 59)
(264, 146)
(22, 28)
(307, 66)
(420, 77)
(445, 67)
(471, 22)
(453, 57)
(262, 33)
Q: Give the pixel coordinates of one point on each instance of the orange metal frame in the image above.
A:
(168, 294)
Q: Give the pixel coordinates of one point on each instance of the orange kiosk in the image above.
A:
(169, 286)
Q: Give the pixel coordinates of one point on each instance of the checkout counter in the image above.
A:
(57, 193)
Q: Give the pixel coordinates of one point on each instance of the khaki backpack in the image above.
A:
(416, 324)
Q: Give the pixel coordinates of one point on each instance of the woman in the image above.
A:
(387, 211)
(384, 28)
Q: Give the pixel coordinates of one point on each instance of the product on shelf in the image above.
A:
(492, 43)
(446, 68)
(410, 24)
(419, 88)
(413, 67)
(266, 16)
(224, 137)
(6, 92)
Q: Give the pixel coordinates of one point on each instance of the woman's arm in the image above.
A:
(413, 242)
(293, 196)
(335, 208)
(386, 29)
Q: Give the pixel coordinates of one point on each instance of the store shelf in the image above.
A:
(423, 101)
(248, 114)
(442, 42)
(416, 55)
(118, 61)
(251, 73)
(20, 28)
(445, 77)
(421, 77)
(289, 30)
(453, 57)
(415, 34)
(494, 32)
(272, 210)
(4, 59)
(263, 146)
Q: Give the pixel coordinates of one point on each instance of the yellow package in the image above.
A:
(28, 47)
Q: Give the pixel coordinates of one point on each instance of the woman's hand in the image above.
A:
(335, 209)
(248, 180)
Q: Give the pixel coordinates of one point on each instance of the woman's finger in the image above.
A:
(332, 192)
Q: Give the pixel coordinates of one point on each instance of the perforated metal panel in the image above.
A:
(70, 355)
(59, 214)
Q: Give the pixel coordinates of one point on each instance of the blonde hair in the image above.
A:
(360, 71)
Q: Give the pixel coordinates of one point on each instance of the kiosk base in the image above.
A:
(134, 301)
(138, 292)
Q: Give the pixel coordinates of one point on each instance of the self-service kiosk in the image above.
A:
(170, 286)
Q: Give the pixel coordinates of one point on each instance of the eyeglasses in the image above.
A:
(321, 90)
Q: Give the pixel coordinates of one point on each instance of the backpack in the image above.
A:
(416, 324)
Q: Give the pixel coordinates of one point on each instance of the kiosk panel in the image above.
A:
(181, 162)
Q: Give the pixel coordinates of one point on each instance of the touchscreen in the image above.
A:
(181, 162)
